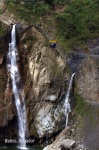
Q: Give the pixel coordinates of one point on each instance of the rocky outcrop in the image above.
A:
(67, 144)
(88, 78)
(86, 66)
(6, 17)
(62, 142)
(44, 77)
(43, 72)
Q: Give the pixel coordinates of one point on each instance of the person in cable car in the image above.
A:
(52, 43)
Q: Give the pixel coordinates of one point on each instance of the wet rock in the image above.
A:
(74, 59)
(1, 60)
(67, 144)
(47, 120)
(51, 98)
(3, 115)
(19, 27)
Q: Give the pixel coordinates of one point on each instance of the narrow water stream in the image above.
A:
(66, 103)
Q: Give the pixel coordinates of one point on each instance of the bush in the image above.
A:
(80, 20)
(57, 2)
(29, 10)
(2, 28)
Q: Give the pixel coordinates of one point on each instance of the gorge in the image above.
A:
(49, 96)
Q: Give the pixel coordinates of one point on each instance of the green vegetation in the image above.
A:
(28, 11)
(31, 11)
(80, 104)
(46, 43)
(79, 22)
(2, 84)
(28, 39)
(2, 29)
(54, 3)
(82, 109)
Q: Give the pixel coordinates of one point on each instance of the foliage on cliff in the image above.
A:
(78, 22)
(81, 110)
(33, 9)
(2, 28)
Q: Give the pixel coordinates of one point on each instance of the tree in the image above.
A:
(80, 19)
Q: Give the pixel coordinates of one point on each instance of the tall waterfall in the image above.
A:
(17, 88)
(66, 103)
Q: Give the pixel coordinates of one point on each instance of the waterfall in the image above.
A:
(66, 103)
(17, 88)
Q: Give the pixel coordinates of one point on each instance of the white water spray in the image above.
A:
(66, 103)
(17, 89)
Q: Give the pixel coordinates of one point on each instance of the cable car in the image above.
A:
(52, 43)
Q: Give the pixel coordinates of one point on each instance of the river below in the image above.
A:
(14, 147)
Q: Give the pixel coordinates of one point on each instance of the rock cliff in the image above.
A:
(88, 78)
(45, 76)
(44, 79)
(45, 73)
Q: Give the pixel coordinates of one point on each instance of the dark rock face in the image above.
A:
(19, 28)
(93, 46)
(88, 78)
(74, 59)
(86, 67)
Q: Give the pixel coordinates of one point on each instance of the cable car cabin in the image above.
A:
(52, 43)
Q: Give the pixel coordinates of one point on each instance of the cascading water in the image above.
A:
(66, 103)
(18, 92)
